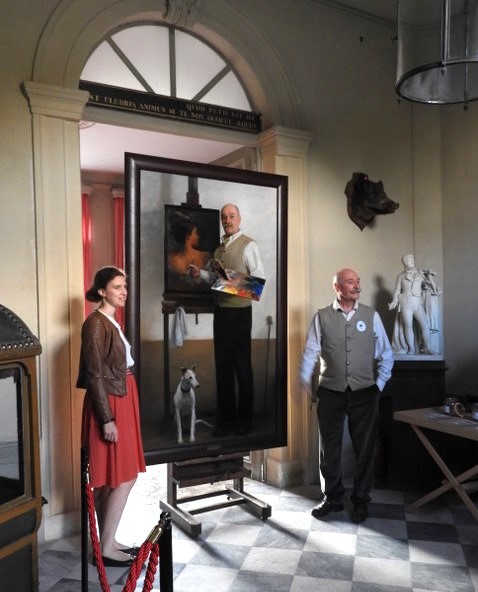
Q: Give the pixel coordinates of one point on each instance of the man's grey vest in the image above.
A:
(347, 349)
(231, 258)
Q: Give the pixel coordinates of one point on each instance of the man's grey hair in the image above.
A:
(233, 205)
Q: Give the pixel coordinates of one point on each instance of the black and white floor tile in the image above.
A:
(434, 549)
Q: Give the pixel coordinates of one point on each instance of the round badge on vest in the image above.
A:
(361, 326)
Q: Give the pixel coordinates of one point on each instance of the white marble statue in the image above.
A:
(417, 320)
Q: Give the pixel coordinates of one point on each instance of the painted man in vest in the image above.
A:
(232, 328)
(355, 359)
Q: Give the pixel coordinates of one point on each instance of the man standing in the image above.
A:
(356, 361)
(232, 328)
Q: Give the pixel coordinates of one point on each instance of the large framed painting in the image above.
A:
(169, 319)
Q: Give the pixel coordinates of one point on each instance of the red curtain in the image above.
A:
(86, 233)
(118, 214)
(118, 202)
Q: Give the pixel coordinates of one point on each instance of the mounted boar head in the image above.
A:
(366, 199)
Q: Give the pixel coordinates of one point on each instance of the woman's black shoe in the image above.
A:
(133, 551)
(109, 562)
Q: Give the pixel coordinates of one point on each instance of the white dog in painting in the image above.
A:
(185, 400)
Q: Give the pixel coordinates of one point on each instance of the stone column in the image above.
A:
(55, 113)
(284, 152)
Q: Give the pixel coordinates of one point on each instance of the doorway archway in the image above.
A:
(57, 106)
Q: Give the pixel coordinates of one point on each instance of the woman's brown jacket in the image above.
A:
(102, 364)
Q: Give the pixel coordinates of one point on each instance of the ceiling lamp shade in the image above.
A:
(437, 51)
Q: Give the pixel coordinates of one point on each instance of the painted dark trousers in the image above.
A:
(232, 354)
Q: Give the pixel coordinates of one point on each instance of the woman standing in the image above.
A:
(111, 422)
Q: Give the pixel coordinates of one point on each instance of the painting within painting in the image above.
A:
(191, 236)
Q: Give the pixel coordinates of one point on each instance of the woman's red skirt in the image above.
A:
(112, 463)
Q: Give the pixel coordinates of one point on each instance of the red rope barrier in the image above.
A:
(105, 587)
(148, 548)
(152, 567)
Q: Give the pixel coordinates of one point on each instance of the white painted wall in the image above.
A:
(459, 176)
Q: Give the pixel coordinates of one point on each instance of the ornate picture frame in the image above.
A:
(152, 320)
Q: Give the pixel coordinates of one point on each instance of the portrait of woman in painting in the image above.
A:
(191, 237)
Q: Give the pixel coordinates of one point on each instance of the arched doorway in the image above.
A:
(57, 107)
(165, 73)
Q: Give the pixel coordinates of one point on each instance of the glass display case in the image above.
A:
(20, 494)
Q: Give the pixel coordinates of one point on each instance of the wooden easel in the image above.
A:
(209, 470)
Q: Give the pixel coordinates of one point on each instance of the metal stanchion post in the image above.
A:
(166, 555)
(84, 521)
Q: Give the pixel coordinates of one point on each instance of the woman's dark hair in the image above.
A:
(181, 226)
(102, 278)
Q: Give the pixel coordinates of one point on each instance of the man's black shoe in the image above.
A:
(325, 507)
(360, 512)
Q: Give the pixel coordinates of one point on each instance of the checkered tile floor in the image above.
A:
(433, 549)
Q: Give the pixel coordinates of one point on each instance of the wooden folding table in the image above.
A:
(433, 418)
